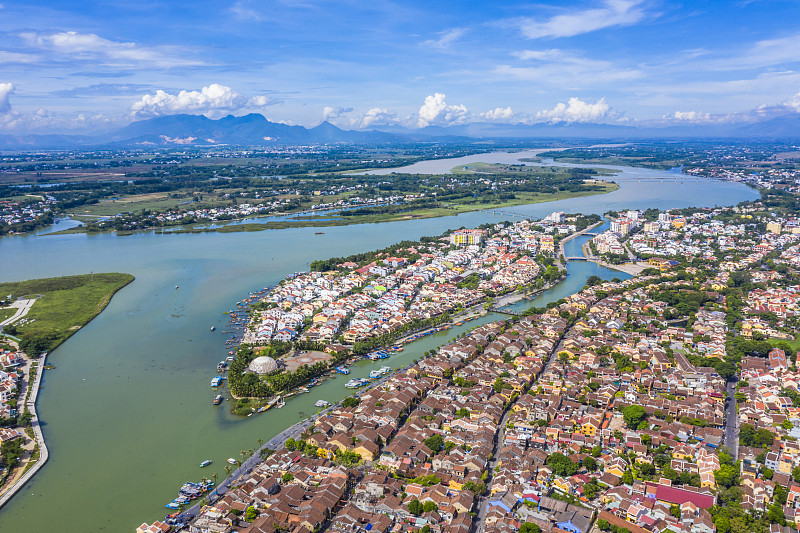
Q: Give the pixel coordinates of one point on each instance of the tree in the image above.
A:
(287, 477)
(434, 442)
(590, 464)
(726, 475)
(351, 401)
(530, 527)
(604, 524)
(675, 511)
(561, 464)
(429, 506)
(634, 415)
(415, 507)
(251, 513)
(627, 477)
(723, 524)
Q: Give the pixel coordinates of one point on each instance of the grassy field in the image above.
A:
(794, 344)
(6, 313)
(63, 305)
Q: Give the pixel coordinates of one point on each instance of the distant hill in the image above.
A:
(255, 129)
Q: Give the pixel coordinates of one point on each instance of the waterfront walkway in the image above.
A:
(37, 430)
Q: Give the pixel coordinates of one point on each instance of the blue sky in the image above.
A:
(91, 65)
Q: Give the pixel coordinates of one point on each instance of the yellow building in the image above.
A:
(774, 227)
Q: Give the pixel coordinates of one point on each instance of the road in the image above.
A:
(22, 308)
(480, 516)
(731, 435)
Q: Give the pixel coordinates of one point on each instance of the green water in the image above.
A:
(127, 412)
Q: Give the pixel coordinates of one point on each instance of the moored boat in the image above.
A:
(232, 461)
(205, 463)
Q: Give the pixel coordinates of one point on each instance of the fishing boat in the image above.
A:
(232, 461)
(213, 328)
(218, 399)
(343, 370)
(353, 384)
(205, 463)
(322, 403)
(217, 381)
(173, 505)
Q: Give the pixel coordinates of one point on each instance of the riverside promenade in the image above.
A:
(37, 431)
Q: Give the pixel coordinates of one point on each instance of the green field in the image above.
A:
(6, 313)
(794, 344)
(63, 305)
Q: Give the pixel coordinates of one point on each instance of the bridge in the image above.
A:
(507, 214)
(577, 258)
(505, 311)
(591, 234)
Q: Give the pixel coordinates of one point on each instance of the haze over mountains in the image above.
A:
(255, 129)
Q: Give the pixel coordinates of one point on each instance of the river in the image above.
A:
(127, 412)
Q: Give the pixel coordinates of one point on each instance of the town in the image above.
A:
(666, 402)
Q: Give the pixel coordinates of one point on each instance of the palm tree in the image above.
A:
(243, 453)
(228, 470)
(250, 452)
(260, 442)
(214, 477)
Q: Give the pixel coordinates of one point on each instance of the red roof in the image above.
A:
(678, 496)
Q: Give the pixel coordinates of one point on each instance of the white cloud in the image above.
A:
(436, 112)
(564, 69)
(377, 117)
(213, 101)
(16, 57)
(498, 114)
(446, 38)
(6, 89)
(242, 10)
(576, 110)
(611, 13)
(793, 102)
(330, 113)
(689, 116)
(92, 47)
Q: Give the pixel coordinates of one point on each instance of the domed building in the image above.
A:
(263, 365)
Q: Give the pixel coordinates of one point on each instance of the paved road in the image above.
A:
(731, 436)
(22, 308)
(480, 513)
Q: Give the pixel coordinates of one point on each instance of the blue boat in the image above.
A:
(342, 370)
(216, 381)
(172, 505)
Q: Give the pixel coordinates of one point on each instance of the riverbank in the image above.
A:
(48, 312)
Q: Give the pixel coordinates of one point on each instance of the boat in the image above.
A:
(269, 404)
(232, 461)
(213, 328)
(172, 505)
(217, 400)
(343, 370)
(176, 286)
(205, 463)
(353, 384)
(322, 403)
(217, 381)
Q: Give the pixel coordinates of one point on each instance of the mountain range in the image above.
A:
(255, 129)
